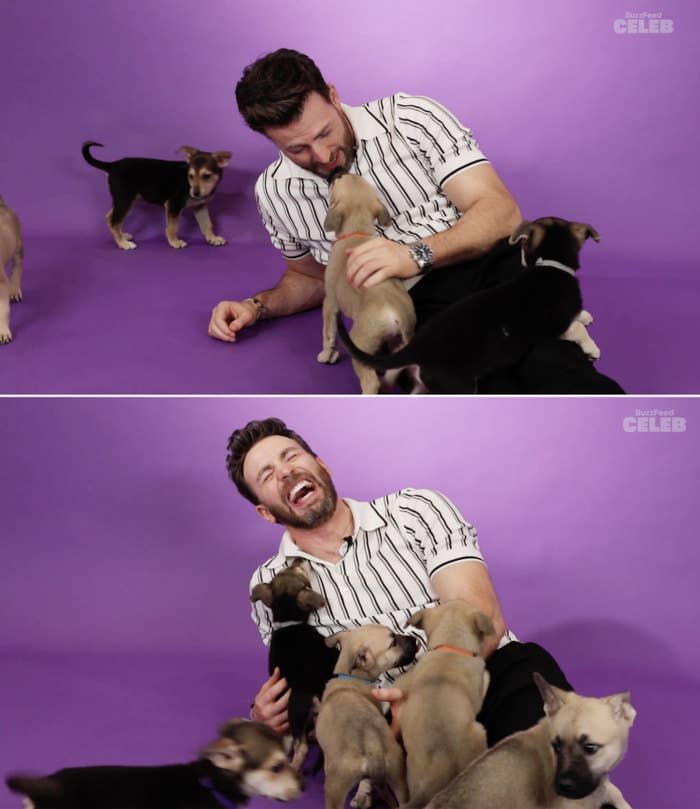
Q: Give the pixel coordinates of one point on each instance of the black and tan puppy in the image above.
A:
(494, 328)
(11, 249)
(247, 759)
(297, 649)
(172, 183)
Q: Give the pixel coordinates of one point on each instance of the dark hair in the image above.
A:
(243, 440)
(272, 90)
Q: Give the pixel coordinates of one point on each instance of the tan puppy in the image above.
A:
(444, 693)
(351, 729)
(11, 247)
(382, 315)
(561, 763)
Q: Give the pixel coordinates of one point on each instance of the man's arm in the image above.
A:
(471, 582)
(489, 212)
(300, 288)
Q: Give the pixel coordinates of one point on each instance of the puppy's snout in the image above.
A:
(409, 646)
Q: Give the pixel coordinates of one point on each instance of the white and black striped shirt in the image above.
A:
(383, 577)
(408, 147)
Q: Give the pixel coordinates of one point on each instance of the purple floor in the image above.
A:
(96, 319)
(63, 710)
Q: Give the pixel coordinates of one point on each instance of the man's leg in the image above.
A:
(513, 701)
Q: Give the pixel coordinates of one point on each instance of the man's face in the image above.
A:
(294, 488)
(321, 140)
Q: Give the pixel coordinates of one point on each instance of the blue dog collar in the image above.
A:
(546, 262)
(352, 677)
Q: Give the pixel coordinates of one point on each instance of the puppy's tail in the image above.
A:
(34, 787)
(380, 362)
(98, 164)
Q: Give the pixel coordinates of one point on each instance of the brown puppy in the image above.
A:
(561, 763)
(444, 693)
(382, 315)
(11, 248)
(351, 729)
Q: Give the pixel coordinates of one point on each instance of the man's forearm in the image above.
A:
(295, 292)
(478, 229)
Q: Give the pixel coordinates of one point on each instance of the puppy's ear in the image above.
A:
(262, 592)
(364, 659)
(189, 151)
(222, 158)
(417, 619)
(308, 599)
(529, 233)
(224, 754)
(334, 640)
(621, 707)
(582, 231)
(382, 215)
(483, 625)
(334, 218)
(552, 697)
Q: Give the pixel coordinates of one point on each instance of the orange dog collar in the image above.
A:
(443, 647)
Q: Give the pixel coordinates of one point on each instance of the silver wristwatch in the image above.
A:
(422, 255)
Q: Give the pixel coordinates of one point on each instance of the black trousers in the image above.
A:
(556, 366)
(513, 701)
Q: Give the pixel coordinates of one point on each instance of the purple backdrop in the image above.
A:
(125, 632)
(579, 120)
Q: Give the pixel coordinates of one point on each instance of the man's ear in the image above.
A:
(334, 97)
(262, 592)
(265, 513)
(323, 465)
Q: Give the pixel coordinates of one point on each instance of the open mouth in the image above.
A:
(301, 492)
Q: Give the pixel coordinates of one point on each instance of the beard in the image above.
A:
(346, 150)
(313, 517)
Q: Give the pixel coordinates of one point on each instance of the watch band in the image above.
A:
(259, 305)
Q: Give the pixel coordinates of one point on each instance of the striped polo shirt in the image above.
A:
(383, 577)
(408, 147)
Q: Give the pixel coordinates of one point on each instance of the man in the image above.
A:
(377, 562)
(448, 205)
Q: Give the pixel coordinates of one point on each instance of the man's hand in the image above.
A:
(270, 706)
(396, 699)
(376, 260)
(229, 317)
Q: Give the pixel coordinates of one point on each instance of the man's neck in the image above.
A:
(325, 541)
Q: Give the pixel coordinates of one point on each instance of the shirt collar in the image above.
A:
(364, 516)
(365, 126)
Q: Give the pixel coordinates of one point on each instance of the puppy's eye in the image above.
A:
(556, 745)
(277, 767)
(206, 176)
(590, 749)
(394, 641)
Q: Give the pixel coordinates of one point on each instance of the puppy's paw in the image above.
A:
(5, 336)
(217, 241)
(125, 244)
(585, 317)
(591, 350)
(328, 356)
(127, 236)
(177, 243)
(363, 796)
(15, 294)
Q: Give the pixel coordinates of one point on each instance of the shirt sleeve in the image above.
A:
(438, 529)
(262, 617)
(287, 243)
(437, 137)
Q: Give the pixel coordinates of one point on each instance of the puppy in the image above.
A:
(11, 248)
(172, 183)
(383, 315)
(494, 328)
(247, 759)
(444, 692)
(561, 763)
(351, 729)
(297, 649)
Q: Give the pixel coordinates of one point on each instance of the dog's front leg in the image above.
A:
(614, 797)
(584, 317)
(16, 277)
(201, 214)
(330, 353)
(172, 220)
(5, 333)
(363, 795)
(577, 333)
